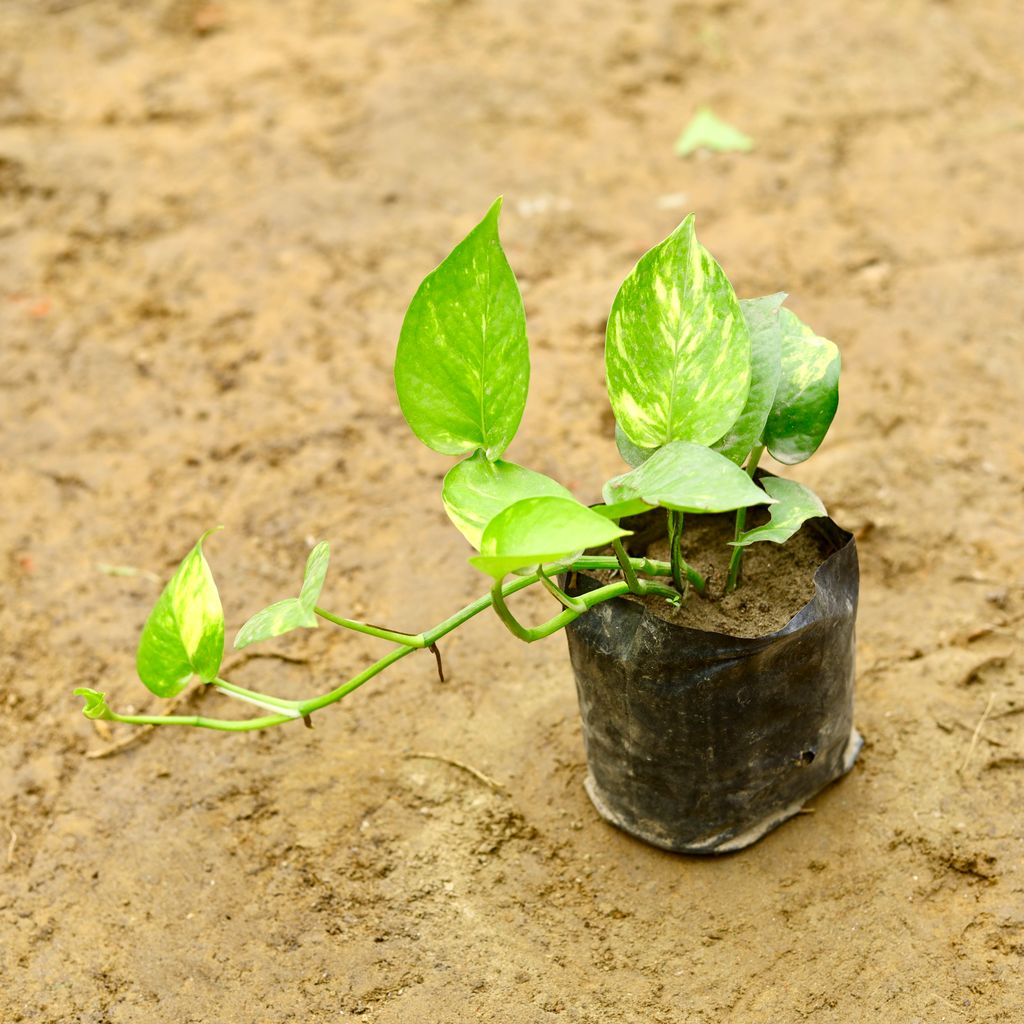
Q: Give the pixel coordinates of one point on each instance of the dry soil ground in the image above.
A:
(213, 215)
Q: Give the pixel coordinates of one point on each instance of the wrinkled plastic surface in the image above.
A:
(700, 742)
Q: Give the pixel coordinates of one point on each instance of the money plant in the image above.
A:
(701, 384)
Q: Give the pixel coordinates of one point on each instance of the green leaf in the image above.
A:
(621, 509)
(677, 352)
(807, 396)
(687, 478)
(795, 505)
(631, 454)
(95, 703)
(707, 131)
(762, 317)
(462, 367)
(292, 612)
(184, 633)
(476, 490)
(535, 531)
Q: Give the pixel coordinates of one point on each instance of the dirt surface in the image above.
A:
(213, 215)
(778, 579)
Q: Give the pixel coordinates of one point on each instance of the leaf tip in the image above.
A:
(494, 212)
(687, 226)
(208, 533)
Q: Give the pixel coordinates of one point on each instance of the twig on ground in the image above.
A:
(475, 772)
(12, 844)
(977, 732)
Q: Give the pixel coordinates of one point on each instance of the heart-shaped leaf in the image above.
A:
(476, 490)
(293, 612)
(762, 317)
(687, 478)
(677, 352)
(462, 367)
(184, 634)
(808, 393)
(795, 504)
(536, 531)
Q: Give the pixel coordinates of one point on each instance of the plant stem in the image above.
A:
(232, 688)
(292, 710)
(627, 566)
(260, 700)
(514, 626)
(408, 639)
(573, 604)
(675, 536)
(545, 629)
(736, 561)
(644, 566)
(680, 567)
(199, 722)
(309, 706)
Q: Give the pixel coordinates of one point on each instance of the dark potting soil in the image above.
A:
(777, 580)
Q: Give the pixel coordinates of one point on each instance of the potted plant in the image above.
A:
(705, 724)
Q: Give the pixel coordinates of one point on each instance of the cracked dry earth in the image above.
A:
(213, 215)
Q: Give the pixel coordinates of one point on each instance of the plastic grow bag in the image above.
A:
(700, 742)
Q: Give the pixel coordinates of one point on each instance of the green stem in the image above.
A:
(199, 722)
(316, 703)
(407, 639)
(545, 629)
(644, 566)
(573, 604)
(430, 637)
(675, 536)
(680, 567)
(290, 710)
(262, 700)
(626, 565)
(514, 626)
(736, 561)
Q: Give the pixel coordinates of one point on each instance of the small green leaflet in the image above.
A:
(706, 131)
(620, 509)
(677, 352)
(535, 531)
(762, 317)
(292, 612)
(686, 478)
(95, 703)
(795, 504)
(631, 454)
(184, 634)
(807, 396)
(476, 490)
(462, 367)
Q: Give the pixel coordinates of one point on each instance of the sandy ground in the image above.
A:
(213, 216)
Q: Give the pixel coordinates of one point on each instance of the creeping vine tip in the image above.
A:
(95, 704)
